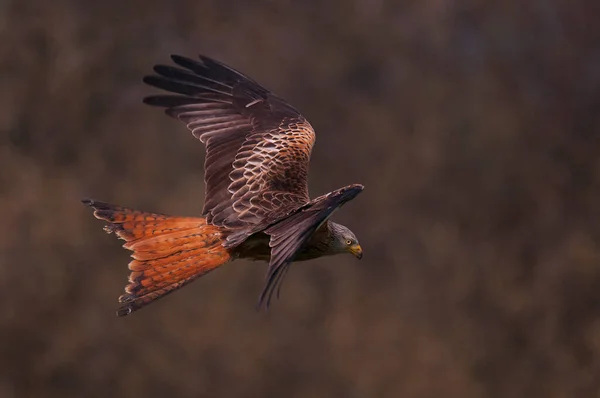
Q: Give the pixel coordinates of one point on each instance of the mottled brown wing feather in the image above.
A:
(258, 146)
(291, 233)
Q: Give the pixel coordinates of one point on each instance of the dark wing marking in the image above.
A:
(258, 146)
(291, 233)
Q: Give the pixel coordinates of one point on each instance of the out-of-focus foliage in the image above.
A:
(474, 126)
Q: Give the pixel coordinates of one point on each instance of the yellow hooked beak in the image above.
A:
(356, 250)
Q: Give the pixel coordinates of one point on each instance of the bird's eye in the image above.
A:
(348, 242)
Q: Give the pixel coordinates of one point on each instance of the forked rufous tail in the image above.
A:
(168, 252)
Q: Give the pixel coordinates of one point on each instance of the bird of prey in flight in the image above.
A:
(256, 204)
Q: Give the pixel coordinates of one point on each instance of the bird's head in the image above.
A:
(344, 240)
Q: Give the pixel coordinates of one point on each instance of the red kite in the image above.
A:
(256, 204)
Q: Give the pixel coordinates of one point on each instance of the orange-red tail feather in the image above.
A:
(168, 252)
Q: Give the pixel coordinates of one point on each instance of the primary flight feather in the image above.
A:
(256, 204)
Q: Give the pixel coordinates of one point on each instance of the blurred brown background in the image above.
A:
(474, 127)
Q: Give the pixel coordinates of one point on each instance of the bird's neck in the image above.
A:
(318, 245)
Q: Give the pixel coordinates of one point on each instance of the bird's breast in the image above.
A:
(256, 247)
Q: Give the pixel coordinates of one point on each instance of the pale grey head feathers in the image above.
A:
(344, 240)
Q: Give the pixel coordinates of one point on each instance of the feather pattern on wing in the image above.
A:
(258, 146)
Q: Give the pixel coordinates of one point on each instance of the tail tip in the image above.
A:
(124, 311)
(127, 301)
(88, 202)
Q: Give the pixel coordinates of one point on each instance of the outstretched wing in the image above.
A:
(291, 233)
(258, 146)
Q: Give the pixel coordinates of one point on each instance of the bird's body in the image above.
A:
(256, 247)
(256, 205)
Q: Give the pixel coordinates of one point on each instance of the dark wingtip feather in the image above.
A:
(190, 64)
(170, 85)
(152, 100)
(273, 285)
(179, 59)
(348, 193)
(169, 101)
(168, 71)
